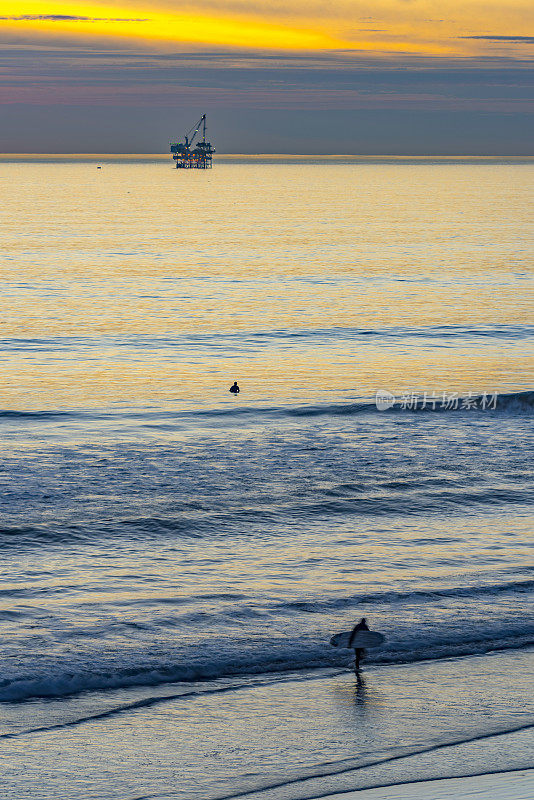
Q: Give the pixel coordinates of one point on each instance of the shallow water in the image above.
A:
(155, 528)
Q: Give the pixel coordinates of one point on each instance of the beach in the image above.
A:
(176, 558)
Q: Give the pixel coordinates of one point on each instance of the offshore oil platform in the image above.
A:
(189, 155)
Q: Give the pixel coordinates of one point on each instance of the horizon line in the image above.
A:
(165, 156)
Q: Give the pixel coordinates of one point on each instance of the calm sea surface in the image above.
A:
(155, 528)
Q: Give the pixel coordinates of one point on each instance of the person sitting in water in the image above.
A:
(360, 651)
(235, 388)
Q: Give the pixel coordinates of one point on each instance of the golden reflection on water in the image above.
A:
(120, 270)
(310, 380)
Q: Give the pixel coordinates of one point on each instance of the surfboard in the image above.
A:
(361, 639)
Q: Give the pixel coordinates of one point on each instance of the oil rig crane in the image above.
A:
(189, 155)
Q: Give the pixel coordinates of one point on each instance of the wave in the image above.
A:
(187, 523)
(8, 414)
(242, 608)
(516, 403)
(388, 598)
(256, 339)
(408, 402)
(224, 658)
(420, 402)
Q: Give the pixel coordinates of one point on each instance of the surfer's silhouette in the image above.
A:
(360, 651)
(235, 388)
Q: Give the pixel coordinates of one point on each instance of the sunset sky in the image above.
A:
(388, 76)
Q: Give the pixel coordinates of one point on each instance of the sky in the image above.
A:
(385, 77)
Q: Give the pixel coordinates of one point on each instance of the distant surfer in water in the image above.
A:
(360, 651)
(235, 388)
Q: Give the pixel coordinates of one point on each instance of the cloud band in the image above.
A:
(66, 18)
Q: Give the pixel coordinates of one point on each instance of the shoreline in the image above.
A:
(289, 740)
(514, 784)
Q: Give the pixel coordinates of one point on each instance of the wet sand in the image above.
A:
(517, 785)
(294, 737)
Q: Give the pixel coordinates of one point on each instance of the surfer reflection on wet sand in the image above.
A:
(360, 696)
(356, 702)
(359, 651)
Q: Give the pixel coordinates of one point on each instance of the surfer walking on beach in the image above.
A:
(359, 639)
(360, 651)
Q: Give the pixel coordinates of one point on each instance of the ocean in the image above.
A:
(169, 548)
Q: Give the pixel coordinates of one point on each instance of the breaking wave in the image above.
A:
(221, 651)
(61, 682)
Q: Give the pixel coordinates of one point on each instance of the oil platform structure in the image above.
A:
(189, 155)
